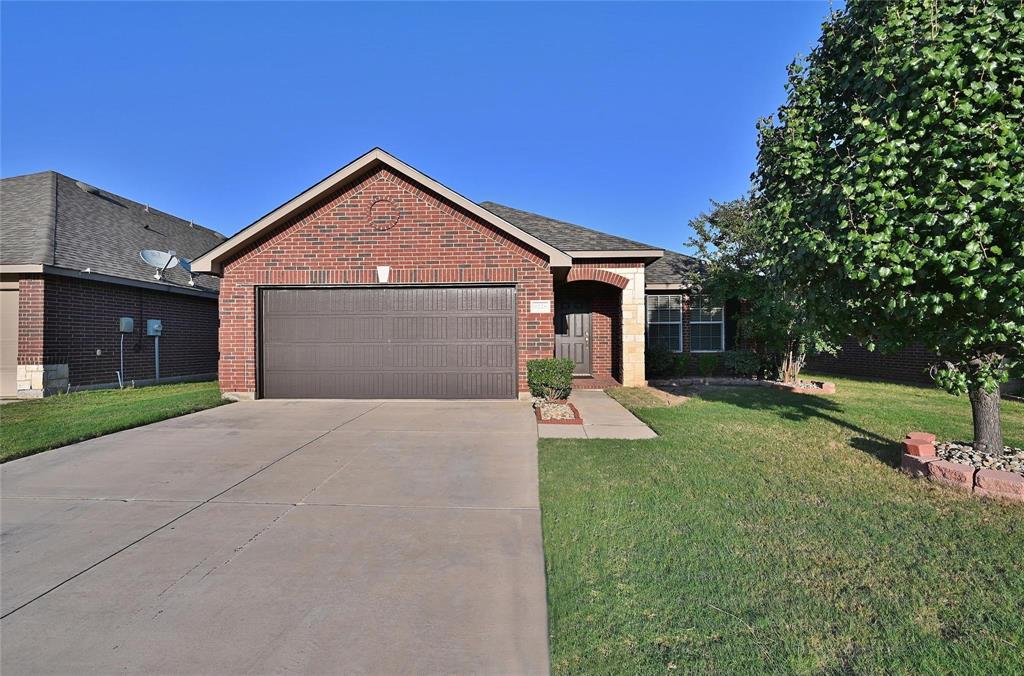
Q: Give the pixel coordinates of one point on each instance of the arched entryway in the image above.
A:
(588, 330)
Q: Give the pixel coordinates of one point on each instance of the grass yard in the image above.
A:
(766, 531)
(28, 427)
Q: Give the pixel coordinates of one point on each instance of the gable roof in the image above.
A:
(573, 239)
(53, 220)
(211, 260)
(27, 208)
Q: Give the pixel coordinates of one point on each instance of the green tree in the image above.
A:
(736, 263)
(892, 184)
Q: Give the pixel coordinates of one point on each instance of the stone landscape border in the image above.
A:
(919, 460)
(820, 386)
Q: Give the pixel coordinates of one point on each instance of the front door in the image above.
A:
(572, 334)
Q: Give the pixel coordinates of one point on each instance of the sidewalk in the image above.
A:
(603, 418)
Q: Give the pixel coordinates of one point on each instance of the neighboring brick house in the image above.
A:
(70, 269)
(909, 365)
(379, 281)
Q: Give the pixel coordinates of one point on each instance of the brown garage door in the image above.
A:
(417, 342)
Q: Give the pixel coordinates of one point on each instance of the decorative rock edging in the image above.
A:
(559, 421)
(919, 460)
(803, 387)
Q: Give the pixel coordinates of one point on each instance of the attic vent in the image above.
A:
(88, 188)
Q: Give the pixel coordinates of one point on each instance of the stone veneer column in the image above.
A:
(41, 380)
(633, 314)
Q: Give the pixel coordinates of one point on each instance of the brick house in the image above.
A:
(379, 281)
(70, 270)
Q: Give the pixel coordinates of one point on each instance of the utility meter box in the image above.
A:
(127, 324)
(154, 327)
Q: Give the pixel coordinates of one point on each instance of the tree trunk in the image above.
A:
(791, 366)
(988, 434)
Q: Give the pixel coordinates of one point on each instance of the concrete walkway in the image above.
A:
(281, 536)
(603, 418)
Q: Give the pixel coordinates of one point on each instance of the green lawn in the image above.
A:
(766, 531)
(27, 427)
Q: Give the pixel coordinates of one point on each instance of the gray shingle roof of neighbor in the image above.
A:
(51, 219)
(562, 235)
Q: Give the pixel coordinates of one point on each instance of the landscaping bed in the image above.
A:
(960, 466)
(556, 412)
(963, 452)
(766, 531)
(677, 385)
(31, 426)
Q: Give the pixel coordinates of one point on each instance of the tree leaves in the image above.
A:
(892, 180)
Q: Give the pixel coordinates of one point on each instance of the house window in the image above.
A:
(665, 322)
(707, 326)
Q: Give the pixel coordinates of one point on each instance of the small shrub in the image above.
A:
(742, 362)
(707, 364)
(680, 364)
(550, 378)
(659, 362)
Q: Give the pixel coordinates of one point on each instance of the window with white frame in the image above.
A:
(665, 322)
(707, 325)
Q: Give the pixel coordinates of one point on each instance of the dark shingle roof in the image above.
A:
(49, 219)
(27, 206)
(670, 269)
(562, 235)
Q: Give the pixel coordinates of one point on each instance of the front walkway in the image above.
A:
(281, 536)
(603, 418)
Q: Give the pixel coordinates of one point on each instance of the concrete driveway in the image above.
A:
(281, 536)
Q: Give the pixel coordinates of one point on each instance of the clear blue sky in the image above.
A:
(623, 117)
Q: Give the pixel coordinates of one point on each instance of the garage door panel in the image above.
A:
(421, 342)
(484, 327)
(333, 356)
(384, 384)
(310, 328)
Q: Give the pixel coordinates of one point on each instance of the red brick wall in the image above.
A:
(909, 365)
(30, 319)
(334, 242)
(605, 324)
(83, 317)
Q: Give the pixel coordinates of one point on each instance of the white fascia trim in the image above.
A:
(20, 269)
(210, 262)
(665, 286)
(623, 253)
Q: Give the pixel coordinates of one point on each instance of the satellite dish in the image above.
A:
(187, 267)
(161, 260)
